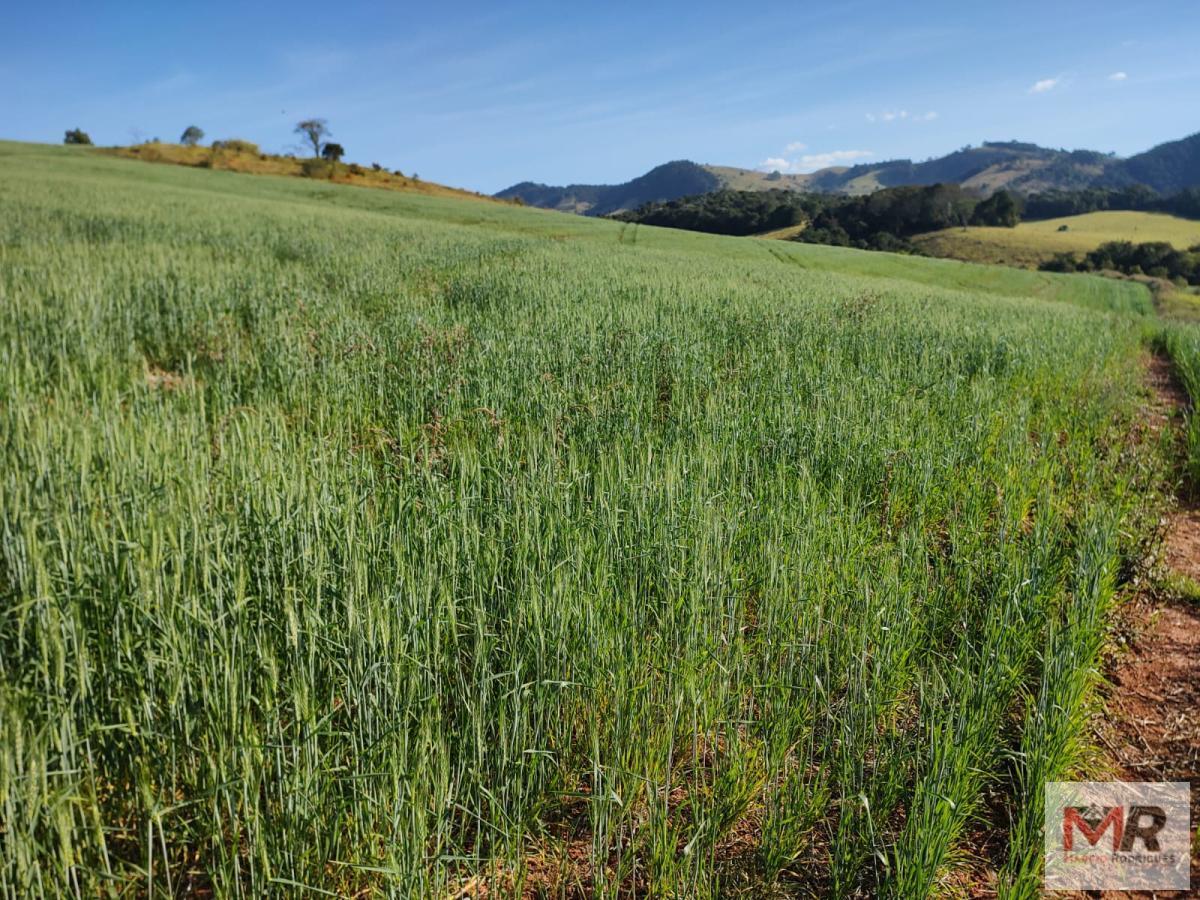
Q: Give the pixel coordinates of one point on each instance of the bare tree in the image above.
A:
(314, 131)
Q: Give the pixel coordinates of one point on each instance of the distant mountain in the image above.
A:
(666, 182)
(1013, 165)
(1167, 168)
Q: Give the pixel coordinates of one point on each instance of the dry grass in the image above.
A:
(270, 164)
(783, 234)
(1032, 243)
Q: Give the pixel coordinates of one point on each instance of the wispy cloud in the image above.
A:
(812, 162)
(902, 115)
(796, 147)
(1118, 76)
(1046, 84)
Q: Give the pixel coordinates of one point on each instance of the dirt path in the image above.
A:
(1153, 726)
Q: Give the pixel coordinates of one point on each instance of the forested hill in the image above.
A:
(666, 182)
(1015, 166)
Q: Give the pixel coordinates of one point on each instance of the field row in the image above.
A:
(352, 540)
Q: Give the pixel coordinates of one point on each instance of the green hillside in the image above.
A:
(1032, 243)
(363, 542)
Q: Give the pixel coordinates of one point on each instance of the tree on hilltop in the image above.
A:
(77, 136)
(314, 131)
(332, 152)
(192, 135)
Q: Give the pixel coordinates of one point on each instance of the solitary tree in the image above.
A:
(314, 131)
(192, 135)
(332, 152)
(77, 136)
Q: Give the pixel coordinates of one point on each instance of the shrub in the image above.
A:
(77, 136)
(315, 168)
(1061, 262)
(236, 145)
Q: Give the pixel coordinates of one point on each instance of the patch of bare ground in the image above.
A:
(1152, 728)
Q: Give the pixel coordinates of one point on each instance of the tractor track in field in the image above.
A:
(779, 255)
(1151, 731)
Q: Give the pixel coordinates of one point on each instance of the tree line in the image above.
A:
(1138, 198)
(1157, 259)
(887, 219)
(884, 220)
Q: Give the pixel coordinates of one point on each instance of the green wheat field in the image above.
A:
(355, 542)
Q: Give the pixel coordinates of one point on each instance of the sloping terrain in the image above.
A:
(1013, 165)
(245, 158)
(365, 542)
(665, 182)
(1032, 243)
(1168, 167)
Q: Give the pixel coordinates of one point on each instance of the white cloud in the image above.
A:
(1046, 84)
(813, 161)
(1117, 76)
(901, 115)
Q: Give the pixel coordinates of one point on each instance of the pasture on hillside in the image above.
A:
(1032, 243)
(354, 540)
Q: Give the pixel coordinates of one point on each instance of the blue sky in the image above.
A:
(480, 96)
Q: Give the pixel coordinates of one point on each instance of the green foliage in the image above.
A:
(728, 212)
(192, 135)
(369, 543)
(315, 131)
(332, 152)
(1169, 167)
(883, 220)
(77, 136)
(1181, 342)
(1138, 198)
(1157, 259)
(1002, 210)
